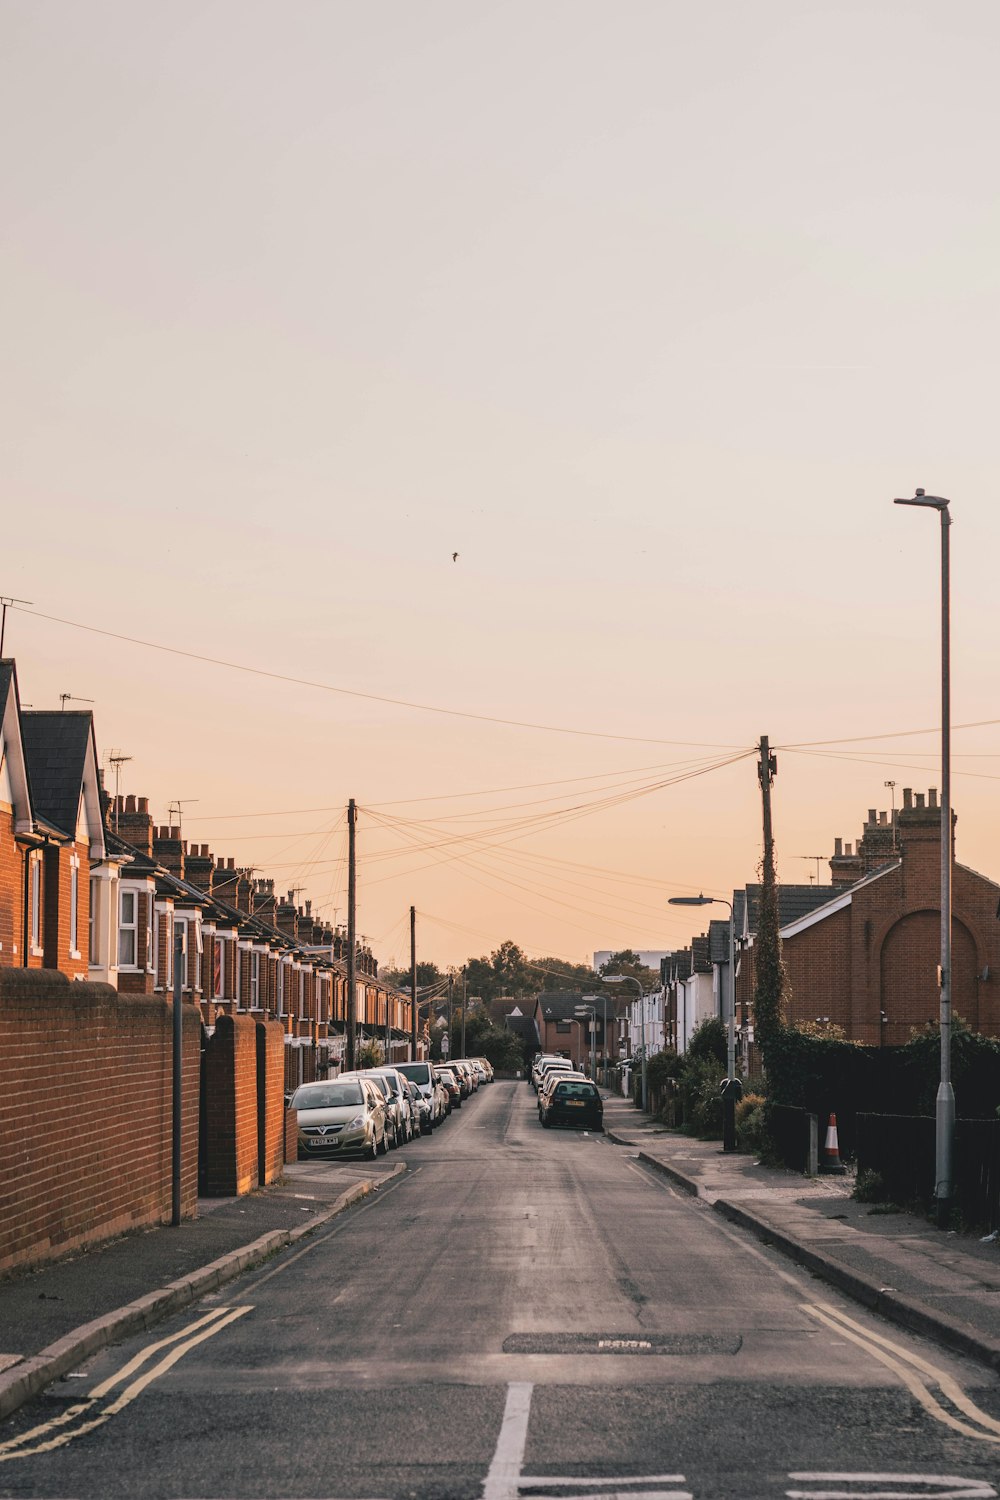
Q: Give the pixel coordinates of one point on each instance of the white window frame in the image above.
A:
(35, 884)
(128, 927)
(93, 957)
(74, 905)
(254, 996)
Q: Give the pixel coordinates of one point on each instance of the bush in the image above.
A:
(751, 1125)
(698, 1086)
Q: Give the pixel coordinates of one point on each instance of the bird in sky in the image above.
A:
(454, 557)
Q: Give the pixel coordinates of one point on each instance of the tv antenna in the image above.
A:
(892, 792)
(819, 860)
(178, 805)
(116, 760)
(65, 698)
(6, 600)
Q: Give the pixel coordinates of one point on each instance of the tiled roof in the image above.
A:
(558, 1005)
(794, 901)
(718, 941)
(6, 678)
(524, 1027)
(55, 750)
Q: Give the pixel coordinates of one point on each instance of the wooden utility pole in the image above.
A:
(352, 964)
(413, 983)
(451, 987)
(465, 1002)
(769, 972)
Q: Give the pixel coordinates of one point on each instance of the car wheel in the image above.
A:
(385, 1143)
(372, 1151)
(543, 1122)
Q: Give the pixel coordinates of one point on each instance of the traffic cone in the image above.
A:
(831, 1151)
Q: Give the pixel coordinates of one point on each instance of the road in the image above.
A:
(523, 1313)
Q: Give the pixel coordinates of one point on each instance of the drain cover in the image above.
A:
(623, 1343)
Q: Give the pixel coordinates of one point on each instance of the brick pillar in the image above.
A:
(231, 1108)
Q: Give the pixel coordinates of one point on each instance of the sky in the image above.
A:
(645, 310)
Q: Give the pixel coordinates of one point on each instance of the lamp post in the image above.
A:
(631, 979)
(591, 1011)
(730, 1092)
(945, 1113)
(592, 1000)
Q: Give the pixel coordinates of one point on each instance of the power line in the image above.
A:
(328, 687)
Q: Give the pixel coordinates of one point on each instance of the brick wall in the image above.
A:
(85, 1114)
(11, 894)
(231, 1107)
(270, 1100)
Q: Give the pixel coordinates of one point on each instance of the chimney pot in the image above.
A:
(907, 797)
(838, 848)
(871, 816)
(883, 819)
(920, 799)
(932, 797)
(143, 805)
(847, 850)
(130, 804)
(232, 863)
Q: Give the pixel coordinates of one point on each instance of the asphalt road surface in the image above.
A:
(526, 1313)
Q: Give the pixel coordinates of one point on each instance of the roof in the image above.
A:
(55, 749)
(524, 1027)
(558, 1005)
(794, 901)
(718, 941)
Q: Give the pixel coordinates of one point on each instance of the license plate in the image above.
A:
(323, 1140)
(575, 1104)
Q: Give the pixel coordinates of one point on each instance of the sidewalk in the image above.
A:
(934, 1282)
(53, 1318)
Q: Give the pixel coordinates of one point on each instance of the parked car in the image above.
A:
(393, 1121)
(485, 1068)
(461, 1076)
(542, 1059)
(404, 1111)
(550, 1081)
(422, 1108)
(422, 1074)
(552, 1065)
(341, 1117)
(573, 1101)
(452, 1088)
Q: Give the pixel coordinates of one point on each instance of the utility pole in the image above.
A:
(413, 983)
(352, 894)
(767, 769)
(465, 998)
(451, 989)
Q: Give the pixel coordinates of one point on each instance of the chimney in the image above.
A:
(199, 867)
(838, 848)
(169, 851)
(134, 823)
(932, 797)
(907, 797)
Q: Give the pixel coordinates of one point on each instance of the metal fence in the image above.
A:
(900, 1150)
(793, 1137)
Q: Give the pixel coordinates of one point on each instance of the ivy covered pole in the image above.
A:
(769, 970)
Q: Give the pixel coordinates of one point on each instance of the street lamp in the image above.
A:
(729, 1095)
(945, 1127)
(592, 1000)
(631, 979)
(591, 1011)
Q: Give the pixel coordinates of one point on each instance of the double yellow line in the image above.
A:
(84, 1416)
(916, 1374)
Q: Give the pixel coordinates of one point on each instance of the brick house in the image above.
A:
(561, 1030)
(865, 956)
(66, 842)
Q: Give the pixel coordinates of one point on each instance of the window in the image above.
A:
(127, 921)
(93, 956)
(74, 906)
(563, 1026)
(281, 988)
(302, 994)
(255, 981)
(36, 903)
(149, 935)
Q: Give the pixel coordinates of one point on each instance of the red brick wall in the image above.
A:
(11, 895)
(270, 1100)
(231, 1107)
(85, 1114)
(291, 1135)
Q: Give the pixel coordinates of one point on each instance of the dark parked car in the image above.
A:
(454, 1092)
(573, 1101)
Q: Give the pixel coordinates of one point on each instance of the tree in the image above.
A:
(428, 974)
(770, 984)
(627, 961)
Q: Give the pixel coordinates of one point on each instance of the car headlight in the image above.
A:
(356, 1123)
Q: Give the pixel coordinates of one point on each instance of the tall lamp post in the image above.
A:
(631, 979)
(945, 1113)
(592, 1000)
(730, 1092)
(591, 1011)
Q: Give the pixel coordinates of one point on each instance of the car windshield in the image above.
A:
(576, 1090)
(327, 1096)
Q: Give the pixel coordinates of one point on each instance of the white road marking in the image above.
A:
(899, 1360)
(931, 1487)
(501, 1482)
(15, 1447)
(536, 1480)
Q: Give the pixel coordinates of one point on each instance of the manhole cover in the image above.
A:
(623, 1343)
